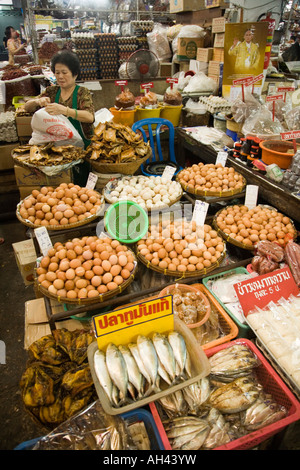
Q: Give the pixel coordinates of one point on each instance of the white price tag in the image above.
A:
(251, 196)
(92, 180)
(168, 172)
(199, 212)
(222, 158)
(43, 239)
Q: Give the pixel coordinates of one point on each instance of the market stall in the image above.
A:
(163, 261)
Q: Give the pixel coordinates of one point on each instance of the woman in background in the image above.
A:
(14, 46)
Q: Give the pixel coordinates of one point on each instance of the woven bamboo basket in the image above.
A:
(100, 298)
(197, 192)
(178, 274)
(86, 221)
(109, 187)
(234, 242)
(59, 168)
(128, 168)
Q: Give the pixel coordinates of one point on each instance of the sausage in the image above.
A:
(270, 250)
(292, 254)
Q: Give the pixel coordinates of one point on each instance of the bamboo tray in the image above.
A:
(128, 168)
(100, 298)
(231, 240)
(219, 194)
(180, 275)
(86, 221)
(112, 184)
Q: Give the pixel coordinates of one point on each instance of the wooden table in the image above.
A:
(275, 194)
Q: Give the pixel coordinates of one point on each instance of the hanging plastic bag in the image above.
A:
(159, 44)
(47, 128)
(241, 108)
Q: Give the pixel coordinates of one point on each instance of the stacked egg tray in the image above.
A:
(126, 45)
(108, 54)
(87, 52)
(140, 30)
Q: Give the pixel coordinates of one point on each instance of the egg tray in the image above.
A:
(179, 274)
(86, 221)
(197, 192)
(100, 298)
(108, 188)
(231, 240)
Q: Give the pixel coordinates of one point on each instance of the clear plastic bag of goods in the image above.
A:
(91, 429)
(292, 119)
(242, 109)
(159, 44)
(191, 31)
(261, 124)
(200, 83)
(47, 128)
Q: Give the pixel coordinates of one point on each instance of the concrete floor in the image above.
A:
(16, 425)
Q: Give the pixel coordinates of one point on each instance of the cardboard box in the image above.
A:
(6, 161)
(34, 177)
(218, 55)
(26, 256)
(214, 68)
(27, 190)
(204, 54)
(215, 78)
(219, 40)
(187, 48)
(186, 5)
(166, 69)
(218, 25)
(36, 320)
(23, 124)
(216, 3)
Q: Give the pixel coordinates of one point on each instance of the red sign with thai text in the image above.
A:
(290, 135)
(260, 290)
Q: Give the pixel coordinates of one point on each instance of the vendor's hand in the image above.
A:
(55, 108)
(44, 101)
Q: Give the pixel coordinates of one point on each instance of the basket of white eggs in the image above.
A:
(150, 192)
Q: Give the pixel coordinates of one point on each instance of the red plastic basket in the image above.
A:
(271, 383)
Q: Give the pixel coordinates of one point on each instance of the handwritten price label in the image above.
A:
(43, 239)
(92, 180)
(199, 212)
(168, 172)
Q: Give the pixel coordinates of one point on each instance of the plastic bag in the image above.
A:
(200, 83)
(102, 115)
(159, 44)
(261, 124)
(91, 429)
(242, 109)
(47, 128)
(292, 119)
(191, 31)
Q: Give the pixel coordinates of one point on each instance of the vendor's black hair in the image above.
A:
(67, 58)
(8, 31)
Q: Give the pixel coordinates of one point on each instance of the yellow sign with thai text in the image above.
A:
(123, 325)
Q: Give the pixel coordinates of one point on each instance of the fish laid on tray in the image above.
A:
(222, 407)
(129, 373)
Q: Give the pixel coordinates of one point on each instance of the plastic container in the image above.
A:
(199, 365)
(126, 221)
(124, 117)
(186, 288)
(131, 417)
(244, 331)
(271, 383)
(275, 151)
(16, 99)
(220, 122)
(172, 113)
(142, 113)
(227, 325)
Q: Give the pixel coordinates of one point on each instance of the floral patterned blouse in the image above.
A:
(84, 103)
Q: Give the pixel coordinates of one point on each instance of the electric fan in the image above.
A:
(142, 65)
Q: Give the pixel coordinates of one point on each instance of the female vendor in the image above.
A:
(67, 98)
(14, 45)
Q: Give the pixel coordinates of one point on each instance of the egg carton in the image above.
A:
(215, 104)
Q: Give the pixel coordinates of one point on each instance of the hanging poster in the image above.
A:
(244, 52)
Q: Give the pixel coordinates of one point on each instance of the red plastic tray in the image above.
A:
(271, 383)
